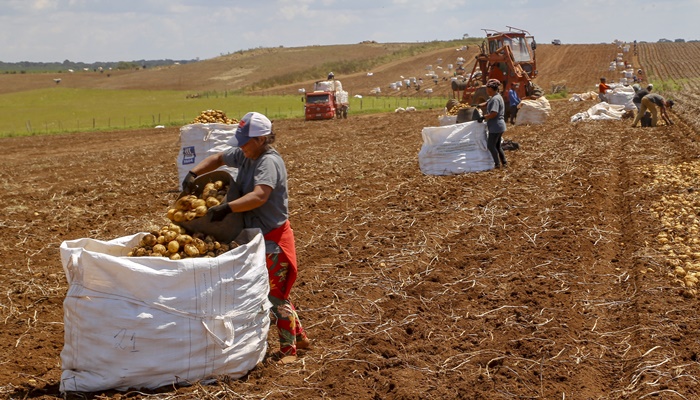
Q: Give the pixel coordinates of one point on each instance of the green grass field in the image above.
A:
(62, 110)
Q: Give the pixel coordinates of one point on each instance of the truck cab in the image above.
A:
(327, 101)
(319, 105)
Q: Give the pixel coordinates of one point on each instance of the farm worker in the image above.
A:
(602, 90)
(650, 102)
(495, 122)
(513, 101)
(262, 179)
(639, 93)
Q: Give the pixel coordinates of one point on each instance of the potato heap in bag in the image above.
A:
(174, 241)
(214, 116)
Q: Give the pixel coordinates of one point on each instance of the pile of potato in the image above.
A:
(174, 241)
(455, 109)
(189, 207)
(214, 116)
(678, 213)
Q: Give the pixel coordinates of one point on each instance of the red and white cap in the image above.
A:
(251, 125)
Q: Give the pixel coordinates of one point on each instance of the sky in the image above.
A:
(129, 30)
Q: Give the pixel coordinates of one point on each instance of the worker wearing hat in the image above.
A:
(495, 122)
(650, 102)
(262, 181)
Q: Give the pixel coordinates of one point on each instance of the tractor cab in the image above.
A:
(522, 47)
(508, 56)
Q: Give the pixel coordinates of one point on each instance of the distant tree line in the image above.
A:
(33, 67)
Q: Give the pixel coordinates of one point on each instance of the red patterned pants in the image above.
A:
(288, 324)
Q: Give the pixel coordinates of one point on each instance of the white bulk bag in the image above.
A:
(533, 112)
(341, 97)
(147, 322)
(447, 120)
(454, 149)
(622, 96)
(600, 111)
(197, 141)
(324, 86)
(584, 96)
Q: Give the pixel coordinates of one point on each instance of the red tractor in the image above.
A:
(506, 56)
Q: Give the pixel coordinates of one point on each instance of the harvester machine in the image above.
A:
(508, 56)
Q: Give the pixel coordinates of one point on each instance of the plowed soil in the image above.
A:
(545, 280)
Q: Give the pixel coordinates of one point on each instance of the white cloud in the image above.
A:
(125, 30)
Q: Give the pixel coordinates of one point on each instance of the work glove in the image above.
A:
(219, 212)
(188, 185)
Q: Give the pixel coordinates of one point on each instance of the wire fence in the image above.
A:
(364, 105)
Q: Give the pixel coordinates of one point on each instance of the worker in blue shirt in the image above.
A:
(513, 102)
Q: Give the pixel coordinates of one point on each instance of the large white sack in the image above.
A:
(600, 111)
(447, 120)
(147, 322)
(533, 112)
(584, 96)
(454, 149)
(341, 97)
(623, 96)
(324, 86)
(197, 141)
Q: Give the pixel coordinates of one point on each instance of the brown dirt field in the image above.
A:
(540, 281)
(555, 278)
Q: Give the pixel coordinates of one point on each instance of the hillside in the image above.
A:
(231, 72)
(579, 66)
(571, 274)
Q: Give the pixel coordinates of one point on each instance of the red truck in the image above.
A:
(327, 101)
